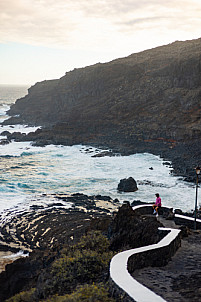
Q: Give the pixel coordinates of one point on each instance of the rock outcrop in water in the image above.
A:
(127, 185)
(146, 102)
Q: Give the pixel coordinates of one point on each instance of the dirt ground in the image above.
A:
(180, 279)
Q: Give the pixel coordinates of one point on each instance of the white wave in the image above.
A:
(23, 148)
(29, 171)
(18, 128)
(16, 255)
(64, 169)
(3, 109)
(14, 148)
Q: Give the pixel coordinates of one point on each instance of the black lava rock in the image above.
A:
(127, 185)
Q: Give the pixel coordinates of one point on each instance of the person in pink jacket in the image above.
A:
(157, 204)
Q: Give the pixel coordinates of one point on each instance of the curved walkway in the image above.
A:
(119, 272)
(180, 279)
(121, 276)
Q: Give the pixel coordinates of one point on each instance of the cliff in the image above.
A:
(148, 101)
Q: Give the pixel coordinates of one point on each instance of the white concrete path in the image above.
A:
(120, 275)
(176, 215)
(119, 272)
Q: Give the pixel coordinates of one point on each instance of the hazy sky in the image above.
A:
(42, 39)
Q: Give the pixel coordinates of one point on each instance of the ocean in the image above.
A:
(30, 175)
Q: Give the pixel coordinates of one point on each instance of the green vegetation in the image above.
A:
(85, 262)
(23, 296)
(77, 269)
(85, 293)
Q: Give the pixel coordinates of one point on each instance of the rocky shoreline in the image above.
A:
(46, 232)
(43, 232)
(23, 231)
(184, 156)
(146, 102)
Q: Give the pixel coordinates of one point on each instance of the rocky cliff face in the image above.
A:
(151, 98)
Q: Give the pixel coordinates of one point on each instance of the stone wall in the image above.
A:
(155, 257)
(125, 263)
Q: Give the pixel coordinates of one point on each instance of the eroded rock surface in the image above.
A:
(43, 232)
(146, 102)
(127, 185)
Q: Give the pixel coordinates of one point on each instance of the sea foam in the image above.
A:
(29, 174)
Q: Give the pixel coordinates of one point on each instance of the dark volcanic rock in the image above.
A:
(127, 185)
(138, 202)
(4, 142)
(52, 231)
(129, 230)
(46, 232)
(5, 133)
(17, 136)
(104, 153)
(146, 102)
(23, 273)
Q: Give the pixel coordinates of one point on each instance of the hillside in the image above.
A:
(148, 101)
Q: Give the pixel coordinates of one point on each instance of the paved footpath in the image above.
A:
(180, 279)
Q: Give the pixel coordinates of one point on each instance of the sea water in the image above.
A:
(30, 175)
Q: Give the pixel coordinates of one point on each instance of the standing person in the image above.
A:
(157, 204)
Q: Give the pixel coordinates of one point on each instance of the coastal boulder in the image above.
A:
(127, 185)
(129, 230)
(4, 142)
(5, 133)
(17, 136)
